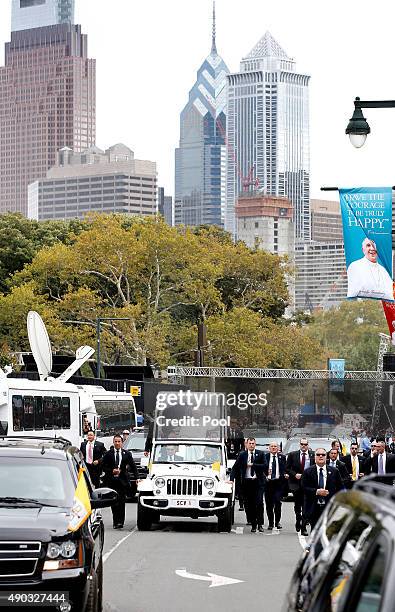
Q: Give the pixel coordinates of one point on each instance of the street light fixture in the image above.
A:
(358, 128)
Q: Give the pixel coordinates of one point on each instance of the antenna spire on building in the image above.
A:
(213, 44)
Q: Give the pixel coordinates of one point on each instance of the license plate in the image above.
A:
(183, 503)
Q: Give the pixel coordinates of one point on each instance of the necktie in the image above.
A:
(274, 467)
(117, 459)
(354, 468)
(321, 479)
(303, 461)
(381, 467)
(90, 453)
(333, 463)
(252, 461)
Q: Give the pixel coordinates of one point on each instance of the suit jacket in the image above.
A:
(334, 484)
(362, 465)
(127, 464)
(294, 466)
(389, 464)
(343, 472)
(239, 469)
(282, 462)
(99, 450)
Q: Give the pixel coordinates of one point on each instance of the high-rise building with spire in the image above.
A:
(268, 132)
(201, 156)
(47, 97)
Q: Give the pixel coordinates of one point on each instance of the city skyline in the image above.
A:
(151, 37)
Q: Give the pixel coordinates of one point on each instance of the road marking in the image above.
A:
(114, 548)
(215, 580)
(238, 530)
(302, 541)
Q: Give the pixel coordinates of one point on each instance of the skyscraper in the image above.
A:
(201, 157)
(268, 132)
(47, 101)
(27, 14)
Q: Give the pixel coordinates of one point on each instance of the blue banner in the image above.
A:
(336, 369)
(367, 227)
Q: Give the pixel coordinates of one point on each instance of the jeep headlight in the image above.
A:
(209, 483)
(160, 482)
(63, 555)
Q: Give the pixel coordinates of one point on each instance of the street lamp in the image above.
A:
(358, 128)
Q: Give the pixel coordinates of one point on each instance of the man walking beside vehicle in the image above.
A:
(297, 462)
(249, 469)
(116, 462)
(382, 463)
(319, 482)
(275, 472)
(355, 465)
(93, 452)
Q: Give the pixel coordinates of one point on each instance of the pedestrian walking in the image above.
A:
(355, 464)
(319, 482)
(249, 469)
(93, 452)
(116, 464)
(297, 462)
(274, 486)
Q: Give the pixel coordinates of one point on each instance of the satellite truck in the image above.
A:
(188, 471)
(51, 407)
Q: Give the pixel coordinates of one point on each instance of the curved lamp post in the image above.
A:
(358, 128)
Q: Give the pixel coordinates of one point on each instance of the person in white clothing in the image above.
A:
(368, 278)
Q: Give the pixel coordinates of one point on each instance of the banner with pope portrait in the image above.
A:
(367, 226)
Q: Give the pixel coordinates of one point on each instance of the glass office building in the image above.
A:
(201, 157)
(268, 132)
(27, 14)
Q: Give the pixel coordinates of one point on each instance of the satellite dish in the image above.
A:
(39, 344)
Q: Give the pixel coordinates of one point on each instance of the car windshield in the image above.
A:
(187, 453)
(135, 443)
(48, 481)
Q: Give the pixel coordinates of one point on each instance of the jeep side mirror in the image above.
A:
(103, 497)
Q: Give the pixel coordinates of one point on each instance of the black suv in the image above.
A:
(349, 563)
(38, 478)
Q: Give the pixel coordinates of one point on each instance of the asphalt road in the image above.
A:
(168, 568)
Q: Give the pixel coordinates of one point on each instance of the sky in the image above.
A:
(148, 52)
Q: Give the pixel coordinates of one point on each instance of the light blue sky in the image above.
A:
(148, 52)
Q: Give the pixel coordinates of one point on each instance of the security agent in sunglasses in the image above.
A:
(319, 483)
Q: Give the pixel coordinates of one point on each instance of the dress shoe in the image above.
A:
(248, 523)
(279, 526)
(270, 528)
(119, 526)
(297, 525)
(261, 529)
(241, 508)
(304, 532)
(253, 530)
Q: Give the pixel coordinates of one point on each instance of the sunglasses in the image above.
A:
(304, 444)
(320, 454)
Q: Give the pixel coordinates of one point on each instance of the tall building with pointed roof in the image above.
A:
(268, 132)
(201, 156)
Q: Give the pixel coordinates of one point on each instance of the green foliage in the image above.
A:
(351, 332)
(165, 281)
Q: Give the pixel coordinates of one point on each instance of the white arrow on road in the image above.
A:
(215, 580)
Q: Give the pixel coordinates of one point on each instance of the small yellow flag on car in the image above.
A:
(216, 466)
(81, 506)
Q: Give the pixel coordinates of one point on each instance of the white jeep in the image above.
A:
(186, 478)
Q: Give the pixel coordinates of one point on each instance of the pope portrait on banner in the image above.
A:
(367, 278)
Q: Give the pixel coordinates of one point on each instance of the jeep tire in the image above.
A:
(225, 517)
(144, 518)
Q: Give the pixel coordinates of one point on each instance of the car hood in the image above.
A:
(41, 523)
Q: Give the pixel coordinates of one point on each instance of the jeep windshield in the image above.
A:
(205, 454)
(40, 481)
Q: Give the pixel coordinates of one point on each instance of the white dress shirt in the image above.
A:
(274, 458)
(248, 470)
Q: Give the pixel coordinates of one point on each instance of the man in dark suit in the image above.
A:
(275, 472)
(169, 453)
(355, 464)
(382, 463)
(116, 462)
(234, 441)
(297, 462)
(249, 469)
(319, 482)
(93, 452)
(333, 461)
